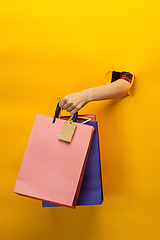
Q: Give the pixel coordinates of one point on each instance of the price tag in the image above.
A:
(67, 131)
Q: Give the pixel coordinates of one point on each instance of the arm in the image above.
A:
(75, 101)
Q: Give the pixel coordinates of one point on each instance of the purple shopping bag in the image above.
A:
(91, 192)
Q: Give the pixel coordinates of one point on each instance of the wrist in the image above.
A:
(88, 95)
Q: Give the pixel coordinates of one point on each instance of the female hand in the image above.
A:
(75, 101)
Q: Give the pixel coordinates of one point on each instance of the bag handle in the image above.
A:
(85, 118)
(57, 114)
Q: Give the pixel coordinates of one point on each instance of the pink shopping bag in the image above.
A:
(52, 169)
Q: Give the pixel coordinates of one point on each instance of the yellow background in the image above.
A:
(53, 48)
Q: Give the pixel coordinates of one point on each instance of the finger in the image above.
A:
(69, 109)
(62, 102)
(66, 105)
(74, 111)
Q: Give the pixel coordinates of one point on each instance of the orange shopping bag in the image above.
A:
(53, 169)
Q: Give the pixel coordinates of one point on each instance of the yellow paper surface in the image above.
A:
(53, 48)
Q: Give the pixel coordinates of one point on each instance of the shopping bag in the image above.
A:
(91, 192)
(53, 169)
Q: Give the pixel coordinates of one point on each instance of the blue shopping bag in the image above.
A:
(91, 192)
